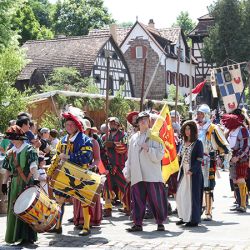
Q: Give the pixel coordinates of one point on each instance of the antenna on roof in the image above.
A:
(136, 18)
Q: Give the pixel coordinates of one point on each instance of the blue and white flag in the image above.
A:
(231, 86)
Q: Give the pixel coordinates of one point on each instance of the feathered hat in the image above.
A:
(15, 133)
(74, 114)
(131, 117)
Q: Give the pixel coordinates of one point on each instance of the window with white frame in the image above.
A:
(139, 52)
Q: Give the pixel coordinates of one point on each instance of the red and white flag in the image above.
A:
(195, 92)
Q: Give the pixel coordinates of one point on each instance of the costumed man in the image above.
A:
(76, 148)
(238, 138)
(116, 152)
(213, 141)
(96, 210)
(21, 164)
(143, 170)
(131, 119)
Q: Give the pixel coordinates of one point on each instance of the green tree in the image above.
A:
(245, 44)
(225, 40)
(185, 22)
(11, 100)
(119, 107)
(77, 17)
(43, 11)
(8, 36)
(28, 26)
(51, 121)
(183, 109)
(67, 78)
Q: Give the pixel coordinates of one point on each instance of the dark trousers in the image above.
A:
(153, 193)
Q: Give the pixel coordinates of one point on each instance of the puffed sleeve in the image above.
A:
(155, 151)
(85, 154)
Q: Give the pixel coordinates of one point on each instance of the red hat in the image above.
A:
(69, 116)
(131, 115)
(15, 133)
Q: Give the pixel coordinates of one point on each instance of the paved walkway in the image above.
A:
(229, 230)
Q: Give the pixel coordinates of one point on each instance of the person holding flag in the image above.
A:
(144, 172)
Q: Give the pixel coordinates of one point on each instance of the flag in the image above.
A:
(195, 92)
(162, 131)
(231, 86)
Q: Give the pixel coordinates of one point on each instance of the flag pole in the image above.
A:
(107, 55)
(143, 82)
(190, 83)
(178, 74)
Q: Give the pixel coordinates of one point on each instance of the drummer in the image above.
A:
(75, 147)
(21, 165)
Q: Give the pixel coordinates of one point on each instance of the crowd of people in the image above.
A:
(130, 164)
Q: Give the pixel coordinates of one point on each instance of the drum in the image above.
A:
(34, 207)
(82, 184)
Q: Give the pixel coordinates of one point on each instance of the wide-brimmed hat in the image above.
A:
(141, 115)
(15, 133)
(114, 119)
(87, 125)
(131, 116)
(68, 116)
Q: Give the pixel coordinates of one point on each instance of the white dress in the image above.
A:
(184, 191)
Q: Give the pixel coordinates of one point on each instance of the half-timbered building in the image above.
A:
(87, 54)
(202, 70)
(158, 45)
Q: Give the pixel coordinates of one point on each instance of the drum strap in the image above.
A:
(20, 171)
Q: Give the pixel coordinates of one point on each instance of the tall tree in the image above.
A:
(7, 35)
(43, 11)
(11, 100)
(77, 17)
(28, 26)
(185, 22)
(225, 39)
(245, 30)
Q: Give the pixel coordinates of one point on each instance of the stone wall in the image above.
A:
(158, 88)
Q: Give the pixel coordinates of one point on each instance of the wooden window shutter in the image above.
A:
(133, 52)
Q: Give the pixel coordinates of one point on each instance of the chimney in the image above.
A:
(151, 23)
(112, 29)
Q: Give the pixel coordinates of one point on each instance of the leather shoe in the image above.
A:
(180, 222)
(107, 212)
(71, 220)
(84, 232)
(134, 228)
(160, 227)
(241, 209)
(208, 217)
(191, 224)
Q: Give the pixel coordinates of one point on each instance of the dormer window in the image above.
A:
(139, 52)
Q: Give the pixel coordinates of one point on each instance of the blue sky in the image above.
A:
(163, 12)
